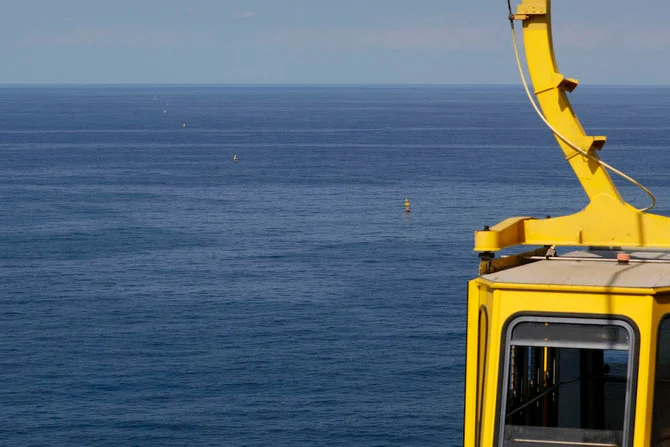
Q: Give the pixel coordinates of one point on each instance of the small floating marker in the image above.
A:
(183, 125)
(407, 205)
(235, 158)
(164, 111)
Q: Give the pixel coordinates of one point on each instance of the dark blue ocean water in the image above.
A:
(153, 293)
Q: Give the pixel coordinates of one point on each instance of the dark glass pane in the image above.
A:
(566, 382)
(661, 418)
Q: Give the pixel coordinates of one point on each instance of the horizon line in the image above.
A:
(292, 84)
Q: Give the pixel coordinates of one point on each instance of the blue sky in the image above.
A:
(318, 41)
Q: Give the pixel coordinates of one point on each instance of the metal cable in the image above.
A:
(561, 136)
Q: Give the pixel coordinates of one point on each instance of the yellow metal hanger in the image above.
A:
(608, 220)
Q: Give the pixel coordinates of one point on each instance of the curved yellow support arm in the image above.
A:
(550, 89)
(608, 220)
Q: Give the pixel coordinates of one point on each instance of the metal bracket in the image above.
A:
(530, 8)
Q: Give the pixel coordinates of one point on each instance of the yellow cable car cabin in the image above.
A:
(569, 350)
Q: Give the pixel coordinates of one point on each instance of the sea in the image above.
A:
(154, 292)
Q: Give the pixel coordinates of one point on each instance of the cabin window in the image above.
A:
(661, 418)
(567, 381)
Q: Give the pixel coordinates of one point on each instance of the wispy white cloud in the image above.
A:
(650, 39)
(583, 37)
(440, 37)
(244, 15)
(82, 37)
(151, 38)
(588, 37)
(446, 37)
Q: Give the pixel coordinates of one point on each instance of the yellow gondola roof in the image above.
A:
(648, 270)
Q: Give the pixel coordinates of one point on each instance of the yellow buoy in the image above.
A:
(406, 205)
(235, 158)
(183, 125)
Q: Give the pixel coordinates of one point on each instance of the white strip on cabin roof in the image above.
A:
(590, 272)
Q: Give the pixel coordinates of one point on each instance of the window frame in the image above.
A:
(570, 318)
(663, 319)
(482, 357)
